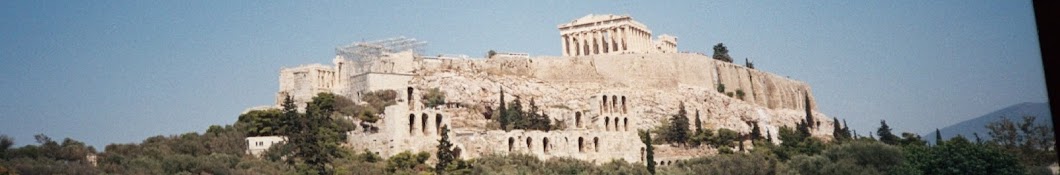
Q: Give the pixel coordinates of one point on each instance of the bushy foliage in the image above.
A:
(513, 116)
(722, 53)
(721, 88)
(313, 138)
(374, 104)
(885, 134)
(527, 164)
(749, 163)
(678, 131)
(740, 94)
(433, 98)
(1033, 144)
(408, 162)
(48, 157)
(261, 122)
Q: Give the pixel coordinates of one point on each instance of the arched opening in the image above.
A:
(529, 144)
(544, 144)
(603, 106)
(511, 144)
(596, 144)
(623, 104)
(457, 151)
(424, 126)
(578, 119)
(410, 98)
(614, 102)
(581, 145)
(607, 122)
(641, 153)
(625, 124)
(412, 123)
(438, 123)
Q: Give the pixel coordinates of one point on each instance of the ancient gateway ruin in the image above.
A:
(612, 80)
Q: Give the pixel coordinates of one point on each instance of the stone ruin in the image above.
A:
(611, 81)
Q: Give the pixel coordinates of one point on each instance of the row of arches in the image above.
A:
(613, 106)
(424, 127)
(546, 147)
(608, 126)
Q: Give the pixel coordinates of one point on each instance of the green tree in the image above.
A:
(938, 137)
(740, 94)
(885, 134)
(445, 152)
(1033, 144)
(434, 98)
(406, 161)
(839, 133)
(722, 53)
(649, 150)
(313, 137)
(699, 123)
(261, 122)
(959, 156)
(679, 126)
(756, 132)
(721, 88)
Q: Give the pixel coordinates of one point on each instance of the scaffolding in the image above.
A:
(375, 49)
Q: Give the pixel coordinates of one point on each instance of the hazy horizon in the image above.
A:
(121, 71)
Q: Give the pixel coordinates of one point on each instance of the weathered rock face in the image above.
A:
(602, 100)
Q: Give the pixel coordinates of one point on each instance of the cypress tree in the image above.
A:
(699, 123)
(649, 150)
(445, 152)
(679, 126)
(938, 137)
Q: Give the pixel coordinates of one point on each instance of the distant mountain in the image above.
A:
(978, 124)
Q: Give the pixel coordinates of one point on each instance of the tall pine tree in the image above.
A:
(445, 152)
(699, 123)
(649, 150)
(885, 134)
(679, 126)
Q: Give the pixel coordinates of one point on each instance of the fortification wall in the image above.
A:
(601, 99)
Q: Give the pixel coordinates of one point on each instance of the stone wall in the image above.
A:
(603, 100)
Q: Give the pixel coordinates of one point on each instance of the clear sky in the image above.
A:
(121, 71)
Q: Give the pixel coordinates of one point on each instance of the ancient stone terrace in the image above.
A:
(612, 81)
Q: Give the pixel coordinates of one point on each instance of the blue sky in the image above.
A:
(121, 71)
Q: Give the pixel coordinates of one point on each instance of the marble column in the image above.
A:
(563, 42)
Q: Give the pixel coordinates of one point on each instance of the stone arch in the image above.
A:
(614, 102)
(578, 119)
(625, 123)
(544, 144)
(412, 123)
(424, 123)
(596, 144)
(603, 105)
(581, 144)
(410, 97)
(623, 104)
(438, 123)
(457, 151)
(642, 151)
(529, 144)
(511, 144)
(607, 121)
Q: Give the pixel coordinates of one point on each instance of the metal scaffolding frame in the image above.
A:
(374, 49)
